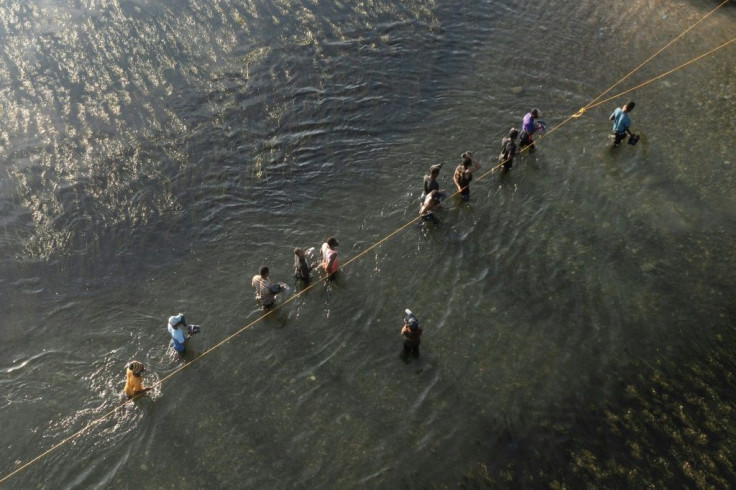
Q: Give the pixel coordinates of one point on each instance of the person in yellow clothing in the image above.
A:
(134, 379)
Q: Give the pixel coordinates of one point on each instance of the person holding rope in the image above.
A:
(302, 268)
(529, 126)
(328, 254)
(508, 150)
(464, 174)
(621, 123)
(266, 291)
(178, 339)
(431, 201)
(430, 181)
(134, 379)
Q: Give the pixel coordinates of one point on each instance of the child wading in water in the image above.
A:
(134, 379)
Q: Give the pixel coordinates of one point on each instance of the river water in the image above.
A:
(578, 312)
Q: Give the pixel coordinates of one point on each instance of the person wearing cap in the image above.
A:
(431, 201)
(134, 379)
(430, 181)
(179, 339)
(412, 333)
(329, 256)
(621, 122)
(464, 174)
(529, 126)
(266, 291)
(508, 150)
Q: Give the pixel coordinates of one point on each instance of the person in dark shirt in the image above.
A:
(508, 150)
(430, 181)
(412, 333)
(301, 266)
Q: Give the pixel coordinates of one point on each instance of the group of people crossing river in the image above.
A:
(265, 291)
(431, 197)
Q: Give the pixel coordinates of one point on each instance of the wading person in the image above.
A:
(529, 126)
(508, 150)
(621, 122)
(134, 379)
(412, 333)
(431, 202)
(266, 291)
(328, 254)
(180, 332)
(464, 174)
(302, 268)
(430, 181)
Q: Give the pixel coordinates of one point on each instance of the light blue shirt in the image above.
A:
(178, 341)
(621, 121)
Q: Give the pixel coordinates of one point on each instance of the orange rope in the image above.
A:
(227, 339)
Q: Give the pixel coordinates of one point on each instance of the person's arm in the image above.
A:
(476, 165)
(137, 388)
(627, 130)
(454, 179)
(427, 206)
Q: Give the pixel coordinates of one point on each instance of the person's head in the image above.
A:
(467, 159)
(299, 252)
(263, 271)
(332, 242)
(629, 106)
(513, 133)
(136, 367)
(434, 171)
(535, 113)
(178, 320)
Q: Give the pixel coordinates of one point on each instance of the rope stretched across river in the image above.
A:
(593, 103)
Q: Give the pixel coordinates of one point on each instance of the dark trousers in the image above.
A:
(411, 348)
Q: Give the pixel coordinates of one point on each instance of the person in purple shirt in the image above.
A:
(529, 126)
(621, 122)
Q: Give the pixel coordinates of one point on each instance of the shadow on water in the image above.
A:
(601, 445)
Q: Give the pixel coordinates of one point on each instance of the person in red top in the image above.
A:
(329, 256)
